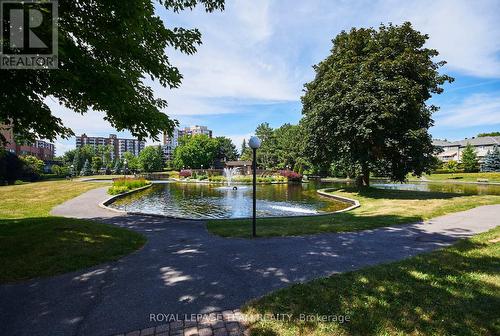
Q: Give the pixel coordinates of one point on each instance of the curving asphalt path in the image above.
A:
(183, 269)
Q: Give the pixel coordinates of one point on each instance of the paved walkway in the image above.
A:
(184, 270)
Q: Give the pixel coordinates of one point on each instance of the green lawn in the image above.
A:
(33, 243)
(37, 199)
(378, 208)
(101, 177)
(454, 291)
(462, 177)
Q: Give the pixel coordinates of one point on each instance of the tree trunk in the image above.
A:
(363, 179)
(366, 175)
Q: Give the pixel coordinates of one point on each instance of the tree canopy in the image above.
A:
(151, 159)
(281, 148)
(107, 53)
(366, 107)
(470, 161)
(226, 150)
(195, 151)
(489, 134)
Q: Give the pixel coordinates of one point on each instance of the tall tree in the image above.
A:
(290, 147)
(106, 51)
(367, 108)
(151, 159)
(86, 170)
(492, 161)
(195, 151)
(96, 163)
(266, 155)
(243, 146)
(226, 150)
(469, 159)
(132, 162)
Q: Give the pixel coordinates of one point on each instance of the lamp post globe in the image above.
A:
(254, 144)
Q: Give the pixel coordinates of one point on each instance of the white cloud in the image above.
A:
(476, 110)
(62, 146)
(466, 33)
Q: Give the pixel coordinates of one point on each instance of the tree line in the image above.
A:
(87, 160)
(201, 151)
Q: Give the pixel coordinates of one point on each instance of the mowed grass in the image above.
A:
(37, 199)
(378, 208)
(454, 291)
(35, 244)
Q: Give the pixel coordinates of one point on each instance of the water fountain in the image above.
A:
(229, 173)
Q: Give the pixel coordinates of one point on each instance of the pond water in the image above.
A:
(202, 201)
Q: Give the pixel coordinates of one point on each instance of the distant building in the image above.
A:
(452, 150)
(171, 142)
(244, 167)
(120, 146)
(43, 150)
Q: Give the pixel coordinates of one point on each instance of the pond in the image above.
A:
(202, 201)
(196, 200)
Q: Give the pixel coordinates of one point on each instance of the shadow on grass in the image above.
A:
(376, 193)
(292, 226)
(448, 292)
(43, 246)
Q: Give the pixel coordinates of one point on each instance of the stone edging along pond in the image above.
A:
(323, 192)
(104, 204)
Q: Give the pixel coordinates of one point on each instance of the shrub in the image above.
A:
(60, 171)
(290, 175)
(185, 173)
(173, 174)
(122, 185)
(11, 167)
(217, 178)
(32, 168)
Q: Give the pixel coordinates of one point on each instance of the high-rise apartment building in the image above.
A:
(171, 142)
(120, 146)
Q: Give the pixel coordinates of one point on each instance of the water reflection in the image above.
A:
(191, 200)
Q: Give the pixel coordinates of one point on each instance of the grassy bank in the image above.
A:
(102, 177)
(123, 185)
(454, 291)
(378, 208)
(461, 177)
(33, 243)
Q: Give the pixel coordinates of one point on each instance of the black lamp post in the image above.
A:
(254, 143)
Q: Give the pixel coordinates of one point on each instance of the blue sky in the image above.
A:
(256, 56)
